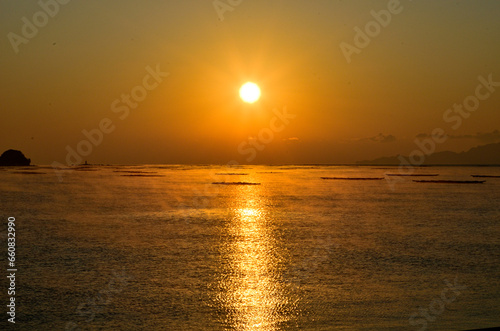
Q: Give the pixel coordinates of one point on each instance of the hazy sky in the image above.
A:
(352, 96)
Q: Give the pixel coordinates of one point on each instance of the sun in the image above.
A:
(250, 92)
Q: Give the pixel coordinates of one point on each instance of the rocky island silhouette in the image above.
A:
(14, 157)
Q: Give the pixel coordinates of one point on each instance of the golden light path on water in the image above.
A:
(252, 292)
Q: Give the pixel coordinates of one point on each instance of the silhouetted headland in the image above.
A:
(14, 158)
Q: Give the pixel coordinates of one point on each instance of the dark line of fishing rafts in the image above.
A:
(140, 173)
(439, 181)
(377, 178)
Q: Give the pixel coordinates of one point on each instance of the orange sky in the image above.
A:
(65, 77)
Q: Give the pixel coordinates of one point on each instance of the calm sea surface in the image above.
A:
(162, 248)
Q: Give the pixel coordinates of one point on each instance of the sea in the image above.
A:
(210, 247)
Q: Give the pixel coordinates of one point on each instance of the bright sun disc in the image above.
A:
(250, 92)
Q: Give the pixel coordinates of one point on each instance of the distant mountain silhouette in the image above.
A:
(480, 155)
(12, 157)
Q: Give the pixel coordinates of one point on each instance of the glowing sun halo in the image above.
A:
(250, 92)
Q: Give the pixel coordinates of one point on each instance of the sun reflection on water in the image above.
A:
(251, 291)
